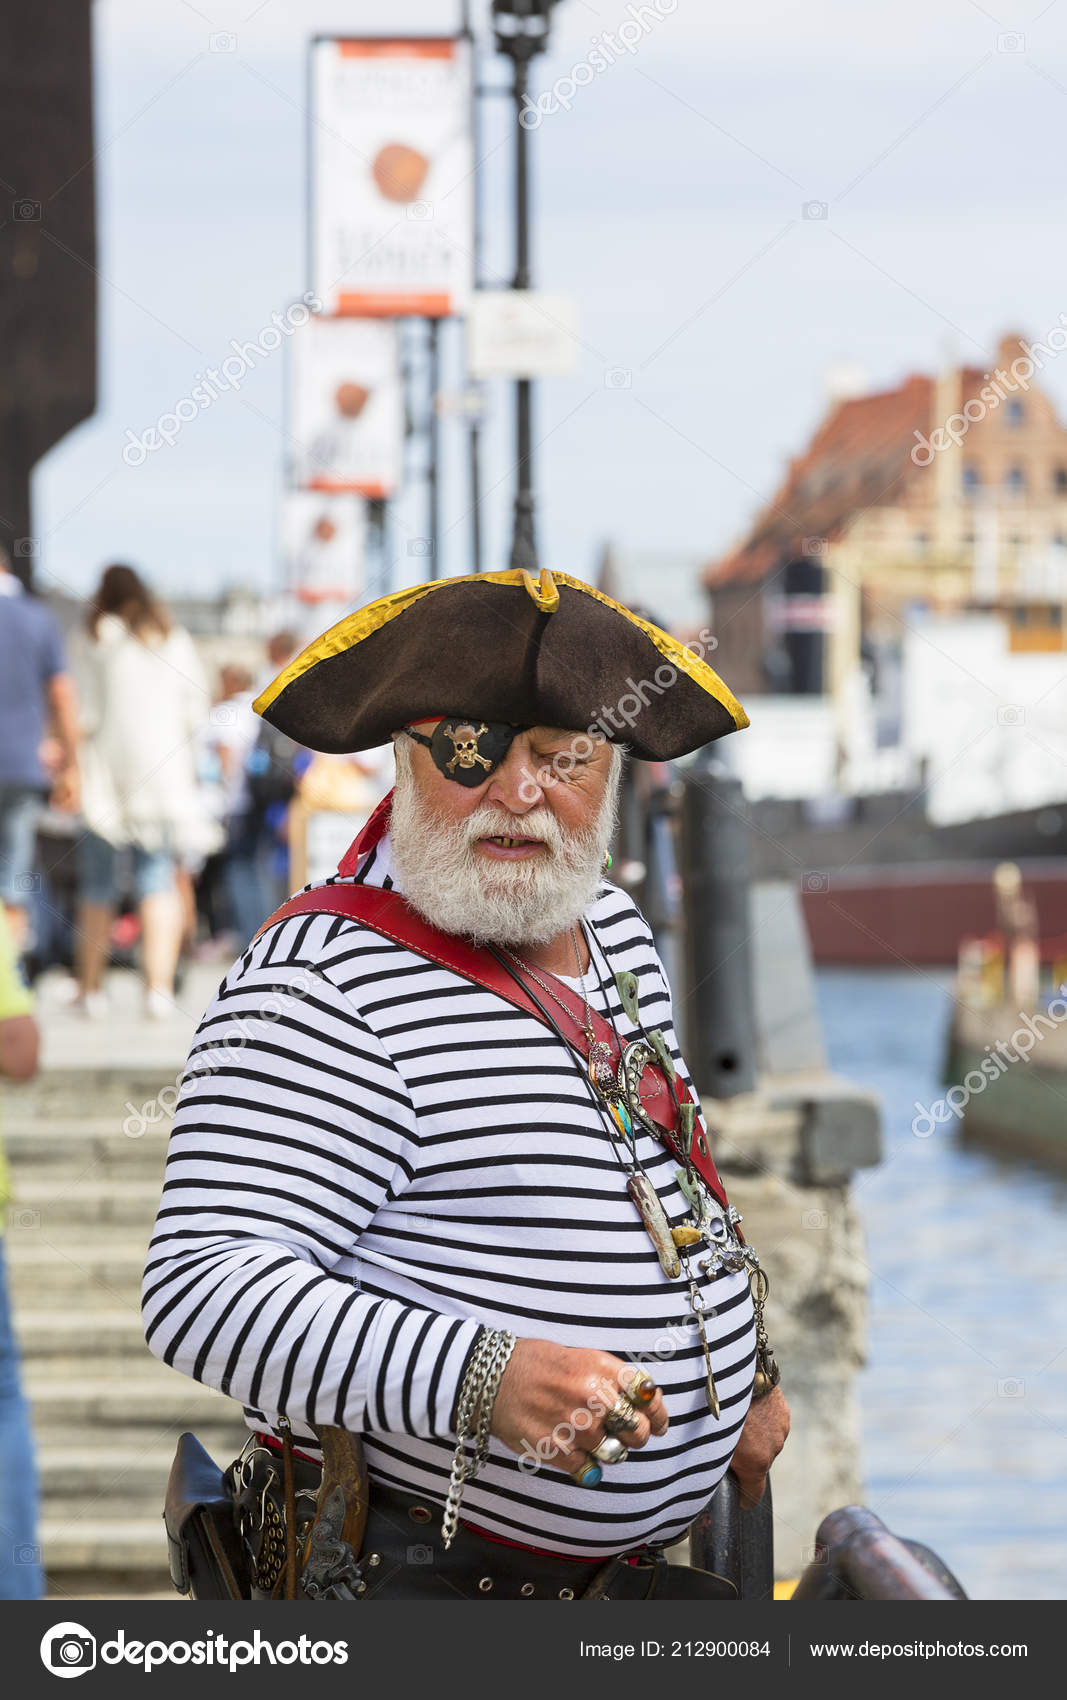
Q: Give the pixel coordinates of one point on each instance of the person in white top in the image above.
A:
(144, 697)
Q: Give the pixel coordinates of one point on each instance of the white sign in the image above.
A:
(329, 833)
(347, 405)
(324, 545)
(522, 333)
(801, 613)
(392, 176)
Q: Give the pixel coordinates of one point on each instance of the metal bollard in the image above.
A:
(735, 1543)
(718, 996)
(857, 1558)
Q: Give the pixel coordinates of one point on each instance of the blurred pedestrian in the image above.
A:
(144, 699)
(21, 1577)
(258, 793)
(38, 739)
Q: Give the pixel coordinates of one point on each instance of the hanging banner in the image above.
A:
(347, 406)
(522, 333)
(392, 162)
(324, 548)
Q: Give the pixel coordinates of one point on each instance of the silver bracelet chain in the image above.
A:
(474, 1413)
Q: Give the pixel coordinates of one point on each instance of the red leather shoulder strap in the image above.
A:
(386, 913)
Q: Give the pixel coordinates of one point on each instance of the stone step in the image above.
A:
(102, 1334)
(110, 1585)
(222, 1437)
(87, 1199)
(158, 1401)
(126, 1476)
(102, 1273)
(38, 1154)
(71, 1093)
(96, 1544)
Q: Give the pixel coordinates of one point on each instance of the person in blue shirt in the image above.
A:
(38, 739)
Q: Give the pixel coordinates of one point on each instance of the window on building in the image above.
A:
(972, 478)
(1059, 480)
(1015, 478)
(1016, 412)
(922, 539)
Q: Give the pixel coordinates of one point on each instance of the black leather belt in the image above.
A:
(404, 1558)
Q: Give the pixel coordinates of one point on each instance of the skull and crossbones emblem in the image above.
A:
(464, 740)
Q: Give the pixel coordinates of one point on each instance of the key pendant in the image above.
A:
(657, 1226)
(710, 1390)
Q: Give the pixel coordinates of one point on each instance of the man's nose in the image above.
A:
(515, 784)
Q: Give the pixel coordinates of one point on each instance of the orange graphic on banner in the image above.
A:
(347, 487)
(426, 306)
(397, 49)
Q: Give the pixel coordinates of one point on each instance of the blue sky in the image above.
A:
(669, 200)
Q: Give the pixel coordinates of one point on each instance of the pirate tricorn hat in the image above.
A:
(502, 647)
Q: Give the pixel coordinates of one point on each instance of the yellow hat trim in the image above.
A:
(545, 592)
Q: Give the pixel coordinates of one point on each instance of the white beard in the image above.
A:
(460, 890)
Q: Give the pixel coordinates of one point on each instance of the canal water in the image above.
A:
(965, 1395)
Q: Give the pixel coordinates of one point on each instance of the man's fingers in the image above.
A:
(657, 1415)
(751, 1490)
(608, 1399)
(656, 1411)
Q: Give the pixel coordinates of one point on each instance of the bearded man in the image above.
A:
(437, 1177)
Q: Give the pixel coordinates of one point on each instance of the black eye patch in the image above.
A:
(468, 751)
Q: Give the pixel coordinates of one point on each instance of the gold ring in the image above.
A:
(588, 1474)
(622, 1418)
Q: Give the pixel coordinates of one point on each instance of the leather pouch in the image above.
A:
(204, 1548)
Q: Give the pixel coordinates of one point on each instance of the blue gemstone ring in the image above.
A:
(589, 1474)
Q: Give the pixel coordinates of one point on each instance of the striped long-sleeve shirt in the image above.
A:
(373, 1158)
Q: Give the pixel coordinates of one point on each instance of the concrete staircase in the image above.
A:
(107, 1414)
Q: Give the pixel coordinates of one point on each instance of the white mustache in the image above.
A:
(488, 822)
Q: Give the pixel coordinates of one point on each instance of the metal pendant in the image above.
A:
(628, 988)
(712, 1224)
(635, 1058)
(666, 1061)
(686, 1126)
(711, 1392)
(602, 1070)
(657, 1226)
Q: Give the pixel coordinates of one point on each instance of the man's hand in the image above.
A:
(553, 1399)
(66, 789)
(762, 1438)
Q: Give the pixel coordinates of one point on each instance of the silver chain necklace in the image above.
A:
(601, 1069)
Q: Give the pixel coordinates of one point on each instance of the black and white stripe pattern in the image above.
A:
(372, 1158)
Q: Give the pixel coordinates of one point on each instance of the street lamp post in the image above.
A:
(521, 28)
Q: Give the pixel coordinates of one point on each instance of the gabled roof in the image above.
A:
(858, 458)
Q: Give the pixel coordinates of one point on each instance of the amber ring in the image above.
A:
(641, 1388)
